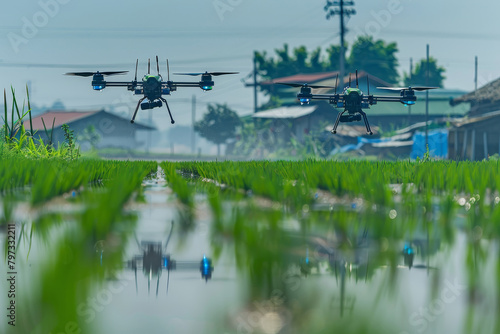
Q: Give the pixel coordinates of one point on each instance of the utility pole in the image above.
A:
(193, 120)
(410, 76)
(255, 84)
(341, 8)
(427, 101)
(475, 77)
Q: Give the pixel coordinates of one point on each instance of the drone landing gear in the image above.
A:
(334, 130)
(351, 118)
(137, 108)
(366, 123)
(168, 108)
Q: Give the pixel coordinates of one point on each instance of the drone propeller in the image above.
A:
(293, 84)
(418, 88)
(149, 66)
(215, 74)
(357, 84)
(89, 74)
(157, 65)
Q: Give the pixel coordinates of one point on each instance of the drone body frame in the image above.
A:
(152, 87)
(353, 101)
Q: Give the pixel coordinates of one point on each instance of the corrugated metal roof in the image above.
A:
(61, 117)
(286, 112)
(306, 78)
(488, 93)
(472, 120)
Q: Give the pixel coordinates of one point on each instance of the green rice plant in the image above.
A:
(63, 285)
(184, 193)
(18, 140)
(70, 141)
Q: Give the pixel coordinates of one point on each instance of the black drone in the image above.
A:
(152, 86)
(154, 260)
(353, 101)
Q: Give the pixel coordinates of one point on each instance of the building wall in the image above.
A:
(113, 131)
(469, 143)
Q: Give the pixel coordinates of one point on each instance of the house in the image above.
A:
(475, 138)
(484, 100)
(385, 116)
(114, 131)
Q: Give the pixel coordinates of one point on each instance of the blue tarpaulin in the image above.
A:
(361, 142)
(438, 144)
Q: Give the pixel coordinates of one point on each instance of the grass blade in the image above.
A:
(29, 111)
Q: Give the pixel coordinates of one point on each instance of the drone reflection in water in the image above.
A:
(155, 259)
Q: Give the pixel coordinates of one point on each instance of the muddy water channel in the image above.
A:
(232, 262)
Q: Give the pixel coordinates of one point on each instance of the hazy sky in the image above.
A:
(199, 35)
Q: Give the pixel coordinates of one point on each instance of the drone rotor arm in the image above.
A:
(215, 74)
(121, 83)
(186, 84)
(382, 98)
(325, 97)
(416, 88)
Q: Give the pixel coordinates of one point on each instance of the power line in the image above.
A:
(442, 34)
(116, 65)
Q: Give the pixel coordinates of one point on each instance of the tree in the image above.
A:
(289, 62)
(419, 77)
(375, 57)
(218, 125)
(91, 135)
(333, 55)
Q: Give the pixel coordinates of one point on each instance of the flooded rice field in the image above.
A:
(255, 248)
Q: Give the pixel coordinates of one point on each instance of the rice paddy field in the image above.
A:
(313, 246)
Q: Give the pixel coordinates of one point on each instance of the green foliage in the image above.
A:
(349, 219)
(265, 139)
(376, 57)
(72, 270)
(419, 75)
(16, 140)
(218, 125)
(184, 193)
(289, 62)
